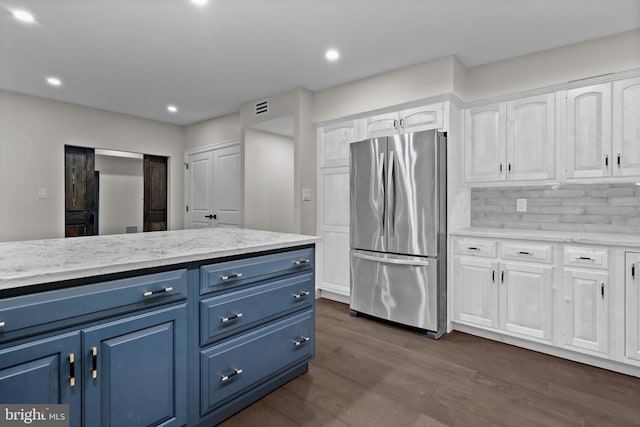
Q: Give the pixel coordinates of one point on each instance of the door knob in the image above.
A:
(211, 216)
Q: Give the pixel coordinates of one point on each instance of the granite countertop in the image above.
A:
(34, 262)
(610, 239)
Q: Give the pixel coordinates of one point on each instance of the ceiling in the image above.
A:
(138, 56)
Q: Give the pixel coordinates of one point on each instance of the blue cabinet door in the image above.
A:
(44, 371)
(135, 370)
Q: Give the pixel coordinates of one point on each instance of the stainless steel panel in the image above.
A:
(367, 194)
(412, 194)
(395, 287)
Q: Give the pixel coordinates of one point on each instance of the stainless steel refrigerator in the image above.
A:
(398, 229)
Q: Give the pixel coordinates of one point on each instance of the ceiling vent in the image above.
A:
(262, 107)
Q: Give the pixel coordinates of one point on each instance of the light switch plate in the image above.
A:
(521, 205)
(306, 194)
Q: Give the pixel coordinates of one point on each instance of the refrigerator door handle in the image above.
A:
(391, 260)
(381, 186)
(392, 194)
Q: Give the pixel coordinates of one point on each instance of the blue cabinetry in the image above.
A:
(170, 348)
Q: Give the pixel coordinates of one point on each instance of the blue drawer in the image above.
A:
(227, 275)
(55, 309)
(231, 367)
(230, 313)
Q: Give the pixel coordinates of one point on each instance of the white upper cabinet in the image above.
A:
(485, 143)
(531, 138)
(511, 141)
(626, 127)
(411, 120)
(333, 143)
(589, 132)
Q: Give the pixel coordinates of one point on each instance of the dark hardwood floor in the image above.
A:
(368, 373)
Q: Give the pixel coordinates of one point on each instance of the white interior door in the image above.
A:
(226, 186)
(200, 190)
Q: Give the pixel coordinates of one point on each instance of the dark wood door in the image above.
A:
(155, 193)
(79, 194)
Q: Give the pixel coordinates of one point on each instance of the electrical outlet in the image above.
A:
(306, 194)
(42, 193)
(521, 205)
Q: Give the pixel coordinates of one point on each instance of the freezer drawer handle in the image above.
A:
(391, 260)
(231, 276)
(301, 341)
(235, 373)
(160, 291)
(302, 261)
(235, 316)
(302, 294)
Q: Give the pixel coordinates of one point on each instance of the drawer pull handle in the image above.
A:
(502, 276)
(231, 276)
(493, 276)
(584, 258)
(524, 253)
(235, 316)
(472, 248)
(72, 370)
(235, 373)
(3, 324)
(160, 291)
(602, 290)
(94, 362)
(302, 294)
(301, 341)
(633, 271)
(302, 261)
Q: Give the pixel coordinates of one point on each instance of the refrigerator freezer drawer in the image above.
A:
(399, 288)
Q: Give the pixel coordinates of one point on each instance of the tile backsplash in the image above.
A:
(600, 208)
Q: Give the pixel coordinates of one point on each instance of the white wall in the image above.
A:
(214, 131)
(33, 133)
(619, 52)
(121, 199)
(269, 181)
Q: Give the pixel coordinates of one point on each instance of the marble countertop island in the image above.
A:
(33, 262)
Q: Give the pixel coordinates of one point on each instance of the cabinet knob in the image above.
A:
(235, 373)
(302, 294)
(301, 341)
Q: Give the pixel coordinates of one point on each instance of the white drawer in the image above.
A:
(586, 256)
(526, 251)
(477, 247)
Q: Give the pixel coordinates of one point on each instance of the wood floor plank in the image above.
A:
(370, 373)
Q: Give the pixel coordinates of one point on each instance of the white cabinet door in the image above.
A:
(626, 127)
(586, 321)
(588, 152)
(531, 138)
(485, 143)
(333, 143)
(476, 291)
(525, 299)
(632, 311)
(421, 118)
(380, 125)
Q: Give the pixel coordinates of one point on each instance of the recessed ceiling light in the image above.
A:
(172, 108)
(23, 16)
(332, 55)
(199, 2)
(54, 81)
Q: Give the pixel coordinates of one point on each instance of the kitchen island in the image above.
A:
(155, 328)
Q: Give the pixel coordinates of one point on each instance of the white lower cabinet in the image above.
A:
(508, 296)
(578, 301)
(586, 309)
(632, 309)
(525, 299)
